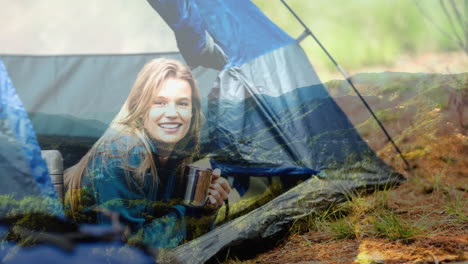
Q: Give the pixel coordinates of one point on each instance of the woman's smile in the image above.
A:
(170, 127)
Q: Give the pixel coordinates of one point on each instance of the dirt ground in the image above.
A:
(443, 240)
(435, 198)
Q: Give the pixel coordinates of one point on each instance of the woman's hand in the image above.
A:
(219, 190)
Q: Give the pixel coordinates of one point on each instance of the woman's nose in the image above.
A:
(171, 110)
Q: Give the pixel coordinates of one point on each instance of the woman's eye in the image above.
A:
(158, 103)
(183, 104)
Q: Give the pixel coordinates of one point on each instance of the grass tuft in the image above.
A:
(456, 207)
(346, 220)
(340, 229)
(389, 225)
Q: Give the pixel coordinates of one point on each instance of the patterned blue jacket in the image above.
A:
(155, 215)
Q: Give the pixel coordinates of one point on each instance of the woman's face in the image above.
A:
(169, 118)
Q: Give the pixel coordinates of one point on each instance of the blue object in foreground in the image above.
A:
(23, 171)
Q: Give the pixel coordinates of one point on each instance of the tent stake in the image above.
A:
(348, 79)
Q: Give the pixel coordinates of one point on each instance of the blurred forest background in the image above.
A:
(365, 33)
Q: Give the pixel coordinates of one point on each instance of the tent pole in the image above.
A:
(348, 79)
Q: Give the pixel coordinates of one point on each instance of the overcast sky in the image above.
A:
(47, 27)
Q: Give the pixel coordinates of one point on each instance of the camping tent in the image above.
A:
(268, 113)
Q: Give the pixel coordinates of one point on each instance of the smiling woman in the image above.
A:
(136, 168)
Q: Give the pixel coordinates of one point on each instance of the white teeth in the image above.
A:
(169, 126)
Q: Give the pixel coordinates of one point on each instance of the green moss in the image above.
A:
(247, 205)
(417, 153)
(388, 115)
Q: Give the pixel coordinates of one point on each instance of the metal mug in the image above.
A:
(198, 180)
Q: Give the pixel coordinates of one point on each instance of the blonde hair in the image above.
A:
(130, 121)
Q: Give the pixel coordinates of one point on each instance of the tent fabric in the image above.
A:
(24, 172)
(241, 30)
(278, 120)
(190, 29)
